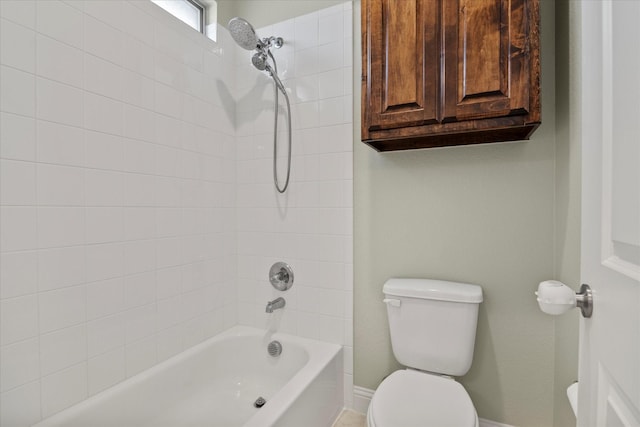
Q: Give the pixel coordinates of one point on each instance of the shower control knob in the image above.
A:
(281, 276)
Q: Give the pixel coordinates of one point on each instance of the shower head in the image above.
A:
(244, 34)
(259, 60)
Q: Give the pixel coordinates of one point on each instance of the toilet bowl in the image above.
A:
(409, 398)
(432, 324)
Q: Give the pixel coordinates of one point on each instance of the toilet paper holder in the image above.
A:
(556, 298)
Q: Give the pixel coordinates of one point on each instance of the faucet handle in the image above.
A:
(281, 276)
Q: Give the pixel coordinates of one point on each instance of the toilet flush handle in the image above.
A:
(392, 302)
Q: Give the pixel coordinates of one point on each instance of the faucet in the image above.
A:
(275, 304)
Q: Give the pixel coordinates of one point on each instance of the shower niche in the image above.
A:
(449, 72)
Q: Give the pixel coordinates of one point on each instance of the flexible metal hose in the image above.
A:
(278, 86)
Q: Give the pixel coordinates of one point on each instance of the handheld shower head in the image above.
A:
(259, 60)
(243, 33)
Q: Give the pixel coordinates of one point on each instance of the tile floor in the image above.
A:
(350, 419)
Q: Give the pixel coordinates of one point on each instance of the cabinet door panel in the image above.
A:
(487, 52)
(403, 66)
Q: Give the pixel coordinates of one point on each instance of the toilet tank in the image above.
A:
(433, 323)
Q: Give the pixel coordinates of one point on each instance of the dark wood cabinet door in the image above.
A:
(403, 62)
(449, 72)
(487, 56)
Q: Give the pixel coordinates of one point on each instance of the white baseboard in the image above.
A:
(362, 397)
(489, 423)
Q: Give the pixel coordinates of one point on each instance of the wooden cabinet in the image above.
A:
(449, 72)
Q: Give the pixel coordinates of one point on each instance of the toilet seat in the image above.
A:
(409, 398)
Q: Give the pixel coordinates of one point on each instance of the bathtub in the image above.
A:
(216, 383)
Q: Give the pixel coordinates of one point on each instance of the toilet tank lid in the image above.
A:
(441, 290)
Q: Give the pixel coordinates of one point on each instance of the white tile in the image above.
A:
(170, 192)
(17, 183)
(103, 114)
(62, 349)
(22, 12)
(105, 334)
(104, 298)
(17, 137)
(59, 103)
(60, 21)
(106, 370)
(140, 156)
(307, 62)
(331, 329)
(139, 256)
(104, 151)
(60, 185)
(19, 319)
(19, 274)
(139, 124)
(20, 406)
(139, 90)
(60, 267)
(139, 58)
(17, 46)
(18, 226)
(60, 62)
(139, 190)
(139, 289)
(330, 27)
(61, 308)
(63, 389)
(103, 40)
(169, 342)
(110, 12)
(140, 322)
(104, 261)
(169, 312)
(168, 131)
(104, 188)
(140, 355)
(348, 359)
(331, 84)
(168, 101)
(331, 56)
(306, 31)
(139, 24)
(104, 224)
(19, 364)
(139, 223)
(168, 282)
(60, 144)
(103, 77)
(18, 91)
(60, 226)
(330, 111)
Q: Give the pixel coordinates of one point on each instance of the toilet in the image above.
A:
(432, 324)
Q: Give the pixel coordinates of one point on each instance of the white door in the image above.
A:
(609, 387)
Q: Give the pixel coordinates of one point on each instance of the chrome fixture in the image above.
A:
(281, 276)
(274, 349)
(275, 304)
(245, 35)
(259, 403)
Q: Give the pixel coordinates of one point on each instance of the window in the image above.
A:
(191, 12)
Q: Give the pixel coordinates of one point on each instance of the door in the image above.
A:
(609, 373)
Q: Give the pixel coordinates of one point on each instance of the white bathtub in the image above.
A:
(215, 384)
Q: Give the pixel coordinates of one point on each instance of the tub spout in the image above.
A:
(275, 304)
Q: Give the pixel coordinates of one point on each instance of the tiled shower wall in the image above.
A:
(117, 197)
(310, 226)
